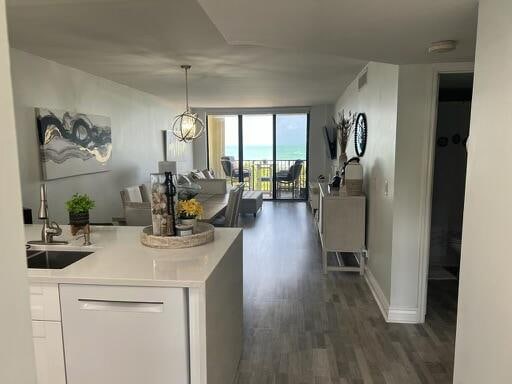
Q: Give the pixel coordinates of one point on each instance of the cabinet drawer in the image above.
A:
(44, 302)
(125, 335)
(49, 352)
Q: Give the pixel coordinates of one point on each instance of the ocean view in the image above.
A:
(264, 152)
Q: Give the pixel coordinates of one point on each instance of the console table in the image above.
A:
(341, 222)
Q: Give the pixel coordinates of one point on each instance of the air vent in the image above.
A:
(363, 79)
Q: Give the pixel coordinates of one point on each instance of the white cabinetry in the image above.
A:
(47, 333)
(47, 336)
(129, 335)
(341, 225)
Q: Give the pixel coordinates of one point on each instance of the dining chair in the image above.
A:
(232, 213)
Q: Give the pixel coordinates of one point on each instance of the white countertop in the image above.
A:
(120, 259)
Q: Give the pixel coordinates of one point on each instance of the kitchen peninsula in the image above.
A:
(131, 314)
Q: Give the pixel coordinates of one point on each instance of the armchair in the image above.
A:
(136, 205)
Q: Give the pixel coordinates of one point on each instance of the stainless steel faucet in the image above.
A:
(50, 229)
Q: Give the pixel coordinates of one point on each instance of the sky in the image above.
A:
(290, 129)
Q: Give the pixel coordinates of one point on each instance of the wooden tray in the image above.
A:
(203, 233)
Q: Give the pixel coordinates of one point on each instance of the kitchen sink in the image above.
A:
(53, 259)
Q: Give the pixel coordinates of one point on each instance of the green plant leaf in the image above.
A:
(79, 204)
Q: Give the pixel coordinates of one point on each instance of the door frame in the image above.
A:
(427, 188)
(274, 114)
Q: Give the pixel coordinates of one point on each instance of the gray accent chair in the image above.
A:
(232, 214)
(136, 205)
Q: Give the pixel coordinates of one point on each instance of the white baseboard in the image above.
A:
(403, 315)
(379, 296)
(391, 314)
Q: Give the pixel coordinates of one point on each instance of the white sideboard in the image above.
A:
(341, 222)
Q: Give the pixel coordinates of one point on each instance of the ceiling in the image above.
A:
(243, 53)
(392, 31)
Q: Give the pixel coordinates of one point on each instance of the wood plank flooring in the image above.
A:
(306, 328)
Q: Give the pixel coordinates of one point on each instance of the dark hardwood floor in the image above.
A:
(303, 327)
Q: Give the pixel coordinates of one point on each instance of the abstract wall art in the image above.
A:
(72, 143)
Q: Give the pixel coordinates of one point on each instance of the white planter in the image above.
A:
(192, 222)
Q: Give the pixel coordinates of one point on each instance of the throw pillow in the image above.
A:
(207, 174)
(197, 175)
(183, 179)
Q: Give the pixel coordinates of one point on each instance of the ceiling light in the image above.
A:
(442, 46)
(187, 126)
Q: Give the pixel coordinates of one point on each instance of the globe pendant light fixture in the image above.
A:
(187, 126)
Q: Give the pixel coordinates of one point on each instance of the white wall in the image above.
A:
(484, 337)
(16, 350)
(398, 102)
(378, 99)
(415, 90)
(411, 219)
(137, 119)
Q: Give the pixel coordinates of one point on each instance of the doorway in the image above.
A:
(267, 152)
(448, 191)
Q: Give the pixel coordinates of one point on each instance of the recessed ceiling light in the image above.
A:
(442, 46)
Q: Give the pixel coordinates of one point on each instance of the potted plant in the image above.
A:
(188, 211)
(78, 207)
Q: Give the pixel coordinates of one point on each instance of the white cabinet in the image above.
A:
(44, 302)
(129, 335)
(341, 225)
(47, 333)
(47, 336)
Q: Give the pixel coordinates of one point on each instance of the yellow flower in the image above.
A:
(189, 208)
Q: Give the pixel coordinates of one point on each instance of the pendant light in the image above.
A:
(187, 126)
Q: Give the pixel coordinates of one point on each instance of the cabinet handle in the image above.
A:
(121, 306)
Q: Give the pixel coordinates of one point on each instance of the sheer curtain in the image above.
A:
(216, 144)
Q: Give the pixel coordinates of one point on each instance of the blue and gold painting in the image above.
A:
(72, 143)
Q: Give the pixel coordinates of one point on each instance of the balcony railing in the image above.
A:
(260, 178)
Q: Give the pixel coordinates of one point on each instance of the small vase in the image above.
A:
(192, 222)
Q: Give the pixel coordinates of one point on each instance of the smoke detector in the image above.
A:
(442, 46)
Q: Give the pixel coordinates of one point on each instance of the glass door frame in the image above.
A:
(274, 150)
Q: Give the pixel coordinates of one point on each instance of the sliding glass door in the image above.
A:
(291, 156)
(258, 152)
(268, 152)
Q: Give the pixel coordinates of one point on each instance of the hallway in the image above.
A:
(303, 327)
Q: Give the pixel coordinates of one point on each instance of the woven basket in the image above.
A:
(204, 233)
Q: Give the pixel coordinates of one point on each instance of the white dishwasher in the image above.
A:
(125, 335)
